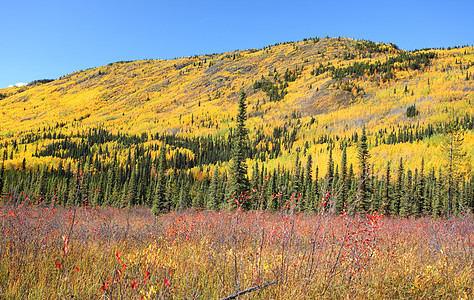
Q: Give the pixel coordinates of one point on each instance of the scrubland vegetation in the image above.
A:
(53, 252)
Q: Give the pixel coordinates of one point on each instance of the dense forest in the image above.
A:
(147, 170)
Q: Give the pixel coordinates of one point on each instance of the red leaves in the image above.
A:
(147, 274)
(59, 265)
(133, 285)
(118, 254)
(65, 248)
(167, 282)
(106, 284)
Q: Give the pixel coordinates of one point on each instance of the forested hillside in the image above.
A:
(325, 124)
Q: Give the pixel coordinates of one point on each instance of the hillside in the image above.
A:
(304, 97)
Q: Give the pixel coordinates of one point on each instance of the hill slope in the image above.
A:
(190, 94)
(305, 97)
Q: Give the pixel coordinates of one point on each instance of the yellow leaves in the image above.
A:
(150, 294)
(432, 276)
(162, 95)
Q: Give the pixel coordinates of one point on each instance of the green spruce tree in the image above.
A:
(363, 180)
(342, 198)
(398, 189)
(159, 197)
(387, 190)
(213, 201)
(239, 183)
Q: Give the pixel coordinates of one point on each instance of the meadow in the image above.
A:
(84, 252)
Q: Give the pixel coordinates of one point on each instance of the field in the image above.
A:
(55, 252)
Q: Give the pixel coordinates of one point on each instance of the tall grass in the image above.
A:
(59, 252)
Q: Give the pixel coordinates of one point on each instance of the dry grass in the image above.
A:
(128, 253)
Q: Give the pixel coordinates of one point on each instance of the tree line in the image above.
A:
(102, 168)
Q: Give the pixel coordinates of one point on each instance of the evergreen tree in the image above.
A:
(330, 172)
(316, 190)
(239, 183)
(419, 189)
(363, 190)
(429, 193)
(398, 189)
(176, 187)
(255, 187)
(223, 188)
(437, 208)
(170, 190)
(406, 199)
(2, 171)
(133, 188)
(213, 201)
(41, 185)
(387, 195)
(308, 181)
(296, 188)
(200, 194)
(159, 200)
(374, 195)
(184, 197)
(272, 192)
(342, 198)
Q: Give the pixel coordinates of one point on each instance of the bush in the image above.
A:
(412, 111)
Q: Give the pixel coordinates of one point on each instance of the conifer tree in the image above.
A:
(223, 188)
(316, 189)
(437, 208)
(330, 172)
(429, 193)
(406, 199)
(171, 183)
(255, 186)
(419, 189)
(200, 197)
(308, 181)
(184, 198)
(342, 199)
(387, 195)
(272, 201)
(398, 189)
(296, 180)
(133, 188)
(363, 190)
(41, 184)
(212, 201)
(176, 187)
(160, 187)
(239, 183)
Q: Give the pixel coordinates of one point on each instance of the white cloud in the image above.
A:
(18, 84)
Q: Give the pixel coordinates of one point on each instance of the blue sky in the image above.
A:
(48, 39)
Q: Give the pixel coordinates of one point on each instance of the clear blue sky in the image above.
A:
(48, 39)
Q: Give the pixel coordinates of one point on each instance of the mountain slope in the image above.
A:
(322, 87)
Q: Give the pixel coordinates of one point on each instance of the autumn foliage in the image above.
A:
(54, 252)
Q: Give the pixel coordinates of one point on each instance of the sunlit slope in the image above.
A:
(198, 95)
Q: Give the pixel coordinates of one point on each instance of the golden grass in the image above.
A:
(129, 253)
